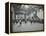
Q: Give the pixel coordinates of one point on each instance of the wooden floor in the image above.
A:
(27, 27)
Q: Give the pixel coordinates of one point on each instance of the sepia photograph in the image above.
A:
(26, 17)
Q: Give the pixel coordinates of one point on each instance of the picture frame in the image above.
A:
(20, 15)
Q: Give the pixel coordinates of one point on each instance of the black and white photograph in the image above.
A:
(26, 17)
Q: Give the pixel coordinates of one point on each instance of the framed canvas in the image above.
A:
(24, 17)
